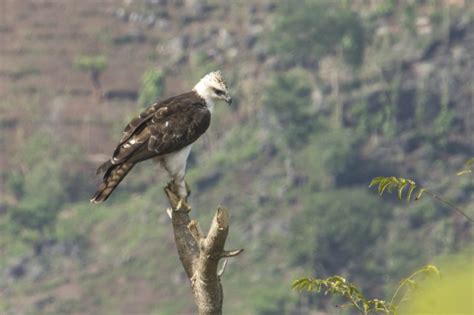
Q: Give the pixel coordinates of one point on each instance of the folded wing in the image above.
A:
(163, 128)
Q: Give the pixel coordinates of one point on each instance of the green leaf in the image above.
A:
(410, 191)
(375, 181)
(91, 63)
(400, 190)
(391, 183)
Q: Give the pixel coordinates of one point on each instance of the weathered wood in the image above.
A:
(200, 254)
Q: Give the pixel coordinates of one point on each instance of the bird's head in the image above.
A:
(212, 87)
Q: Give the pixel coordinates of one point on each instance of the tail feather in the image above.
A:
(104, 167)
(113, 176)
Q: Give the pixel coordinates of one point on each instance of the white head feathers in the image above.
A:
(212, 87)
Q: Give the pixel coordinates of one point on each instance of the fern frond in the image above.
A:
(394, 183)
(399, 183)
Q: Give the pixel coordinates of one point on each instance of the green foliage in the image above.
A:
(444, 120)
(353, 41)
(41, 199)
(201, 64)
(331, 157)
(152, 87)
(33, 149)
(42, 179)
(336, 225)
(306, 31)
(385, 8)
(393, 183)
(313, 222)
(409, 18)
(379, 114)
(337, 285)
(442, 125)
(288, 96)
(422, 102)
(91, 63)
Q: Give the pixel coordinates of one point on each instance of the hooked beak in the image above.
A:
(228, 99)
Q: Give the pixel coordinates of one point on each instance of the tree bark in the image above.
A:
(200, 254)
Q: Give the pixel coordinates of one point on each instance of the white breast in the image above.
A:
(175, 163)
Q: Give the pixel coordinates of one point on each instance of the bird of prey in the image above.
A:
(165, 132)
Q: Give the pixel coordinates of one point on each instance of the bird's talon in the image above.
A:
(183, 205)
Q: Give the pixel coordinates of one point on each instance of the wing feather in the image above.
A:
(163, 128)
(138, 122)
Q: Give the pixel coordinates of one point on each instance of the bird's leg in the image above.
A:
(182, 192)
(178, 202)
(183, 201)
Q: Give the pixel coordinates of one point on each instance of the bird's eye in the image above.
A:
(219, 92)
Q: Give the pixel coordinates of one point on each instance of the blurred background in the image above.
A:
(328, 95)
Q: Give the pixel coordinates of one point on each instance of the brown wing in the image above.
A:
(163, 128)
(139, 122)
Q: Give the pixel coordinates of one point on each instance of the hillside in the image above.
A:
(386, 90)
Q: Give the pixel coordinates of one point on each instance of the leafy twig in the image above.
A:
(400, 184)
(427, 270)
(339, 285)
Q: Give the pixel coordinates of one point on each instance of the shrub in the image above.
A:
(94, 65)
(41, 200)
(91, 63)
(288, 96)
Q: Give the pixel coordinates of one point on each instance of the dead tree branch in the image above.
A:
(200, 254)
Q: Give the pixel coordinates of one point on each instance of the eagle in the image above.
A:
(165, 132)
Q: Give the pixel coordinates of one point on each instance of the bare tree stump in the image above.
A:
(200, 254)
